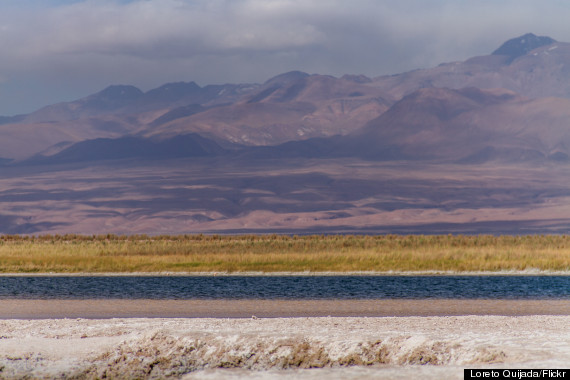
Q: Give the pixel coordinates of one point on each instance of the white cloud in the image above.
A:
(159, 28)
(179, 29)
(83, 46)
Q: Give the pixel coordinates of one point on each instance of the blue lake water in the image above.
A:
(285, 287)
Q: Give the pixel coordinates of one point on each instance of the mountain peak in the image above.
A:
(113, 97)
(289, 77)
(520, 46)
(117, 92)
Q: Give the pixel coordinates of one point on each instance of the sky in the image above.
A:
(62, 50)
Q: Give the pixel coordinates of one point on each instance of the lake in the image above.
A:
(284, 287)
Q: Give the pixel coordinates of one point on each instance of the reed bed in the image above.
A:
(280, 253)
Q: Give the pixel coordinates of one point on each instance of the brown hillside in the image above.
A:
(471, 125)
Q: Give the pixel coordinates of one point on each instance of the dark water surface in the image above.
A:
(285, 287)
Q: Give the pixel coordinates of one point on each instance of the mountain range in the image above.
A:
(431, 150)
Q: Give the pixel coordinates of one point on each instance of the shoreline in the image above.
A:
(526, 272)
(264, 308)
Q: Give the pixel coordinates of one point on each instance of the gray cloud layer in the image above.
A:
(58, 50)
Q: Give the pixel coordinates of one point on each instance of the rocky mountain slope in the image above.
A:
(469, 125)
(529, 65)
(526, 118)
(292, 106)
(480, 146)
(298, 106)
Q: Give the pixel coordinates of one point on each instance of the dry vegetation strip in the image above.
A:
(276, 253)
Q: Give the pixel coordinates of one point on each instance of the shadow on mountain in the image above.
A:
(178, 113)
(499, 227)
(14, 225)
(11, 119)
(191, 145)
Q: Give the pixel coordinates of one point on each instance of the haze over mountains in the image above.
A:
(302, 152)
(297, 106)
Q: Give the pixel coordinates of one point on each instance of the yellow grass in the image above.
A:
(260, 253)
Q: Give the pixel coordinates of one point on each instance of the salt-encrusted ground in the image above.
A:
(201, 348)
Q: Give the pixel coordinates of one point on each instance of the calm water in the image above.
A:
(286, 287)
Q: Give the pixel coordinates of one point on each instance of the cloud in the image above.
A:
(161, 29)
(69, 48)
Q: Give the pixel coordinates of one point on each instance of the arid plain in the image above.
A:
(217, 195)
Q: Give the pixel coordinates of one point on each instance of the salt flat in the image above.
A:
(306, 348)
